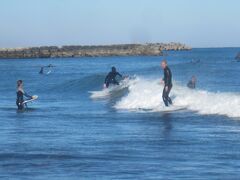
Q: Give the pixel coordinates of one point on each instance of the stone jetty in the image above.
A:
(151, 49)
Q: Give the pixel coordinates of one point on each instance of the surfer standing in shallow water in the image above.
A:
(167, 80)
(20, 94)
(111, 78)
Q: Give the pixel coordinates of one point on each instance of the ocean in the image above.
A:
(68, 134)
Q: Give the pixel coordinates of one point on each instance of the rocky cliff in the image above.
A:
(91, 51)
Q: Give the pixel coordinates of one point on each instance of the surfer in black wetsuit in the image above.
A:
(20, 94)
(167, 80)
(41, 70)
(192, 83)
(111, 78)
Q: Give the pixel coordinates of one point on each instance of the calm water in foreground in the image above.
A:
(65, 134)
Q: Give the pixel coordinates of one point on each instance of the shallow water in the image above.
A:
(65, 134)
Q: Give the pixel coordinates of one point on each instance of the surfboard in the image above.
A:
(165, 109)
(104, 93)
(48, 72)
(30, 100)
(100, 94)
(171, 109)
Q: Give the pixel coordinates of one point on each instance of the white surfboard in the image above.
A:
(171, 109)
(99, 94)
(30, 100)
(166, 109)
(106, 92)
(48, 72)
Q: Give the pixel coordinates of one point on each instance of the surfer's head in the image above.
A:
(164, 64)
(114, 69)
(19, 83)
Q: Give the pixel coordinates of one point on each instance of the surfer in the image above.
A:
(20, 94)
(196, 61)
(48, 66)
(111, 78)
(41, 70)
(192, 83)
(167, 80)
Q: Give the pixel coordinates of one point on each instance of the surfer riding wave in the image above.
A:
(167, 80)
(111, 78)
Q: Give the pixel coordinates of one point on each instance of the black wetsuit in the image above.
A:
(20, 99)
(167, 83)
(111, 78)
(41, 71)
(191, 85)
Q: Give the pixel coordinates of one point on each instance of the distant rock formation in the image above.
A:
(91, 51)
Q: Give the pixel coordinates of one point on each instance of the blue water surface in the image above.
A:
(67, 135)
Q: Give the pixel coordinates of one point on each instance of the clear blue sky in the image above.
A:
(199, 23)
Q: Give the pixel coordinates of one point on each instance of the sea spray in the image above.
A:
(113, 90)
(147, 94)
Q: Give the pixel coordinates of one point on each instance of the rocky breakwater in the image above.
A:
(155, 49)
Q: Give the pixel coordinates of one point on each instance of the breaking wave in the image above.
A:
(147, 94)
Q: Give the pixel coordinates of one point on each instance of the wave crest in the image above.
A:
(147, 94)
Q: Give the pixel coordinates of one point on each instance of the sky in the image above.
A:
(197, 23)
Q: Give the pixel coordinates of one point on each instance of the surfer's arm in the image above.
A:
(119, 74)
(162, 81)
(27, 95)
(106, 79)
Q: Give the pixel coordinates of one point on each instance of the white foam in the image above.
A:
(147, 94)
(104, 93)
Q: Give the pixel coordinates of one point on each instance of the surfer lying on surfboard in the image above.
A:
(111, 78)
(43, 67)
(20, 94)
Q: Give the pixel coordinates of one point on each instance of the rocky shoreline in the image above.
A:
(153, 49)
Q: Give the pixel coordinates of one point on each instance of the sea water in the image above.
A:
(67, 134)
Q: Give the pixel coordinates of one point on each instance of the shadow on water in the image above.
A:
(27, 110)
(163, 123)
(167, 123)
(12, 109)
